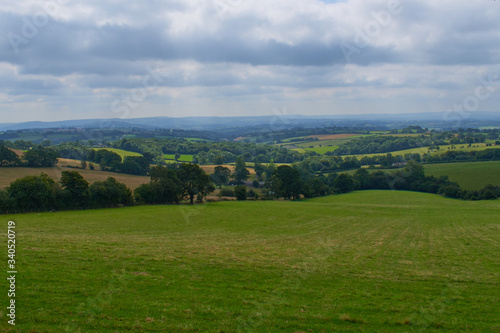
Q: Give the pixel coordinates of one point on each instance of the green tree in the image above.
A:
(34, 193)
(286, 183)
(164, 187)
(240, 192)
(241, 173)
(220, 176)
(8, 157)
(41, 157)
(110, 193)
(193, 180)
(75, 189)
(344, 183)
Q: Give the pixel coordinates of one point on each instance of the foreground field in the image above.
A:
(369, 261)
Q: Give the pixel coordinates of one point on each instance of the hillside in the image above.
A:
(373, 261)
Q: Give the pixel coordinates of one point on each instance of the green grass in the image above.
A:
(373, 261)
(184, 158)
(424, 150)
(470, 175)
(121, 152)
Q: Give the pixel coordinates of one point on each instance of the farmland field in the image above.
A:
(372, 261)
(470, 175)
(121, 152)
(424, 150)
(8, 175)
(184, 158)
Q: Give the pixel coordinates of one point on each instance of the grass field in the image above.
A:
(425, 150)
(470, 175)
(121, 152)
(368, 261)
(184, 158)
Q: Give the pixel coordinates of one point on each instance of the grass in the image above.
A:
(372, 261)
(424, 150)
(121, 152)
(470, 175)
(184, 158)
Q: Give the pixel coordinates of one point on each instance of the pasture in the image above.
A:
(372, 261)
(470, 175)
(183, 158)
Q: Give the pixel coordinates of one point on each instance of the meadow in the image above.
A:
(183, 158)
(470, 175)
(371, 261)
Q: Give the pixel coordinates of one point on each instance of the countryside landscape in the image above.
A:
(232, 166)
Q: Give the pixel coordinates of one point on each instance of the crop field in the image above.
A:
(121, 152)
(8, 175)
(470, 175)
(372, 261)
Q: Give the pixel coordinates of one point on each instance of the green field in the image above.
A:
(121, 152)
(470, 175)
(372, 261)
(184, 158)
(424, 150)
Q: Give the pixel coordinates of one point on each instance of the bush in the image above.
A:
(240, 192)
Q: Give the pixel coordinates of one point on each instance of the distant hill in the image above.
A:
(432, 120)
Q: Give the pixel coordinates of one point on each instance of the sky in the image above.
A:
(69, 59)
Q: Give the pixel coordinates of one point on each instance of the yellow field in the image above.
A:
(8, 175)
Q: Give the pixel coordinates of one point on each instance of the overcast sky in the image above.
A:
(69, 59)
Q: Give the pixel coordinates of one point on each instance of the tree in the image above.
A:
(240, 171)
(177, 156)
(110, 193)
(41, 157)
(286, 182)
(75, 189)
(240, 192)
(220, 176)
(193, 180)
(344, 183)
(34, 193)
(8, 157)
(164, 187)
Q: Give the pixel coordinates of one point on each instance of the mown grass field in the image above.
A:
(373, 261)
(470, 175)
(184, 158)
(121, 152)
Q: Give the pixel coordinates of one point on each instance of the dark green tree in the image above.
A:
(240, 192)
(34, 193)
(193, 180)
(110, 193)
(220, 176)
(8, 157)
(41, 157)
(241, 173)
(75, 190)
(344, 183)
(286, 183)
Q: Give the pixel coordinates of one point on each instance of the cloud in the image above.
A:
(220, 49)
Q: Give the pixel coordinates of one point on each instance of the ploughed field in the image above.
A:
(371, 261)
